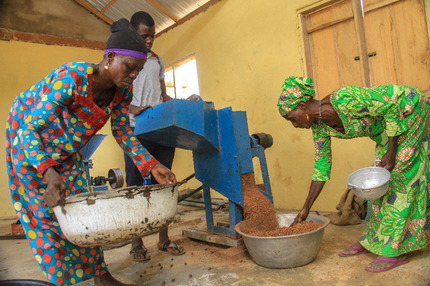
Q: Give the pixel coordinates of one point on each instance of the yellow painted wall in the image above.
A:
(244, 49)
(427, 12)
(23, 64)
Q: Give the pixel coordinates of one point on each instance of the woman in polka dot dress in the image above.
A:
(47, 127)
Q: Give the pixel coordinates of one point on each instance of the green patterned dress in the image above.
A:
(400, 218)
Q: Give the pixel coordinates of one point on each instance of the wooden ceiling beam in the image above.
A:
(163, 9)
(94, 10)
(189, 16)
(9, 35)
(107, 6)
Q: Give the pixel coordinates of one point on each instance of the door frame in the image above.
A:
(357, 15)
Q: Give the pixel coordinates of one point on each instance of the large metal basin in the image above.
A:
(112, 216)
(285, 251)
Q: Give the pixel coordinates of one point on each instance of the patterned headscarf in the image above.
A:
(295, 90)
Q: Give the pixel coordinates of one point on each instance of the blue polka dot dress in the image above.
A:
(47, 127)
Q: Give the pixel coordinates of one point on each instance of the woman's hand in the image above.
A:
(388, 161)
(301, 216)
(136, 110)
(314, 191)
(194, 97)
(55, 193)
(162, 174)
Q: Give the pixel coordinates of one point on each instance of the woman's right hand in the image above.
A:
(194, 97)
(314, 191)
(301, 216)
(55, 193)
(162, 174)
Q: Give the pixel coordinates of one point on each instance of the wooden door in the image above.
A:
(334, 48)
(397, 33)
(397, 42)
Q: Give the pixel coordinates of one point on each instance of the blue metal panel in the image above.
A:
(89, 149)
(179, 123)
(220, 170)
(243, 144)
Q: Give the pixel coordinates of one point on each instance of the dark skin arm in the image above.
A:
(136, 110)
(162, 174)
(164, 96)
(314, 191)
(55, 193)
(388, 161)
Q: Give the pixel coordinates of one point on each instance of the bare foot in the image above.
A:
(108, 280)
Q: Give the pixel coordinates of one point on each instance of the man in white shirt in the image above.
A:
(149, 90)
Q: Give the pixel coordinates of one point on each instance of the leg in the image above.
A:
(61, 261)
(108, 280)
(139, 251)
(165, 155)
(382, 263)
(134, 178)
(132, 175)
(355, 249)
(165, 244)
(400, 218)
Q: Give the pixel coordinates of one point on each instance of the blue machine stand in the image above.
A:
(221, 145)
(115, 176)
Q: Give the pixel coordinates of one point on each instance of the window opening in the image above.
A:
(181, 79)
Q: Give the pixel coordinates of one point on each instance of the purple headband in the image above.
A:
(126, 52)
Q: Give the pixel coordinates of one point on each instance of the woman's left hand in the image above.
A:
(388, 161)
(162, 174)
(55, 193)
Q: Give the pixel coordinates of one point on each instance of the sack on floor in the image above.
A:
(351, 210)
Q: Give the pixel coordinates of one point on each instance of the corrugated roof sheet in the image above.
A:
(164, 12)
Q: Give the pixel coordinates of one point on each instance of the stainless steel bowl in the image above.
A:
(369, 183)
(285, 251)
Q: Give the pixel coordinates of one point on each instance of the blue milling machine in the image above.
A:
(222, 151)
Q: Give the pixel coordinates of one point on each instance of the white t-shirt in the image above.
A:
(146, 87)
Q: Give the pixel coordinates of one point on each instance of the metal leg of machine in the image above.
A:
(235, 215)
(257, 150)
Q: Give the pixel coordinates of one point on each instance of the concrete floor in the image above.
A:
(210, 264)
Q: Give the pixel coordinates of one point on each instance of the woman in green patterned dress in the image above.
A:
(397, 119)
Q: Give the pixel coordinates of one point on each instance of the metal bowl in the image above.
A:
(285, 251)
(369, 183)
(104, 217)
